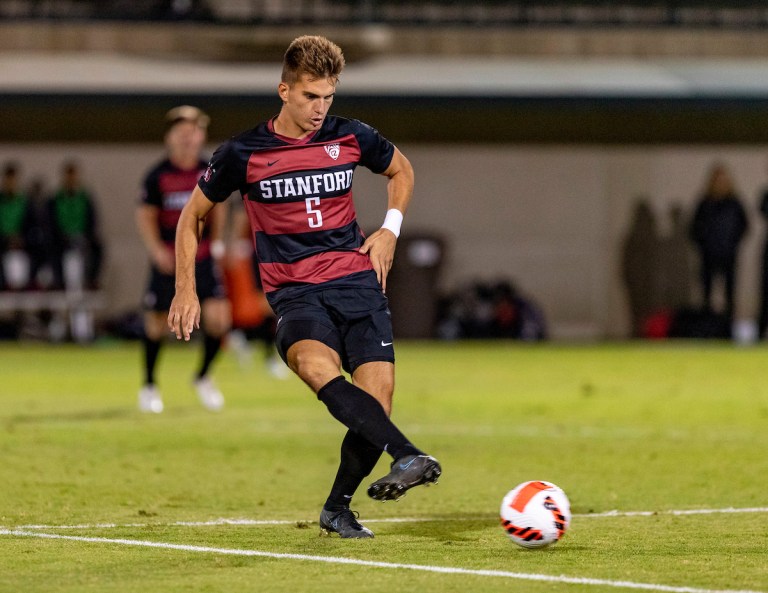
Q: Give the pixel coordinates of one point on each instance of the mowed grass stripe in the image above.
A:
(374, 564)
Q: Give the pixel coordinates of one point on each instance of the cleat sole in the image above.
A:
(396, 490)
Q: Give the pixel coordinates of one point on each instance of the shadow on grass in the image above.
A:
(64, 417)
(454, 528)
(100, 414)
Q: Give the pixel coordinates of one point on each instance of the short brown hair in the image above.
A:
(186, 113)
(313, 55)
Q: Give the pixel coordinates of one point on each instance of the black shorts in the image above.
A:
(355, 322)
(162, 287)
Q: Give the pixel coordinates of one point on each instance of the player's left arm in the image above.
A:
(184, 314)
(380, 246)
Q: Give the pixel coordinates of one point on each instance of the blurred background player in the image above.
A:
(166, 189)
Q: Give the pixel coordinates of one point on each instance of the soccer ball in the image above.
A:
(535, 514)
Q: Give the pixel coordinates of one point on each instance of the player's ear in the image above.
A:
(282, 90)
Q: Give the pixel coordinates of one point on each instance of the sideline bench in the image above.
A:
(73, 310)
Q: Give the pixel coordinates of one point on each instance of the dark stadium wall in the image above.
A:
(552, 218)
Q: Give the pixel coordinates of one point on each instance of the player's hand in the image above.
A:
(380, 248)
(184, 314)
(164, 260)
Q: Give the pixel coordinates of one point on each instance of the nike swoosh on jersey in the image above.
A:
(272, 163)
(383, 343)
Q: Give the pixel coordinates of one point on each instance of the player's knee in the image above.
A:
(216, 318)
(155, 326)
(382, 391)
(216, 327)
(377, 379)
(385, 399)
(315, 370)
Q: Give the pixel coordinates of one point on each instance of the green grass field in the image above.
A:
(96, 497)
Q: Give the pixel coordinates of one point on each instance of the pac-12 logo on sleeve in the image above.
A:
(333, 150)
(208, 174)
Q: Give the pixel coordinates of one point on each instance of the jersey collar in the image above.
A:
(286, 139)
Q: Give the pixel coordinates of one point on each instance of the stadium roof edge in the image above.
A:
(85, 73)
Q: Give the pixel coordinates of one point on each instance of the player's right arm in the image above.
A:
(184, 314)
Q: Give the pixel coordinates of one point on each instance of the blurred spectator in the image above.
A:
(639, 265)
(15, 224)
(38, 243)
(718, 227)
(75, 245)
(675, 261)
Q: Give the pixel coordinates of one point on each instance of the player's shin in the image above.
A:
(358, 458)
(363, 414)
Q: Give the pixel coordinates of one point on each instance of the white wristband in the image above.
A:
(393, 220)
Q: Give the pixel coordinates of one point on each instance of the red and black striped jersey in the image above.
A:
(298, 196)
(169, 188)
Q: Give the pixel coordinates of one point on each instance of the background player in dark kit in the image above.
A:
(322, 277)
(167, 188)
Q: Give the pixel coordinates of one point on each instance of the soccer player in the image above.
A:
(167, 188)
(322, 277)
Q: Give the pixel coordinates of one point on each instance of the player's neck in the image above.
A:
(283, 126)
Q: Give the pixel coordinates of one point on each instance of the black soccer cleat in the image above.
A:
(406, 472)
(344, 523)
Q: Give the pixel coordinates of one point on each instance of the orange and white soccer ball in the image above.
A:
(535, 514)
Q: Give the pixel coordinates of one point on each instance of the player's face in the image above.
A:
(306, 103)
(185, 138)
(70, 179)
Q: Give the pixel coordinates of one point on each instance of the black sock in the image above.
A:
(211, 347)
(151, 351)
(361, 413)
(358, 458)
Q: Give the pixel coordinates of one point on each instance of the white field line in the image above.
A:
(267, 522)
(675, 512)
(370, 563)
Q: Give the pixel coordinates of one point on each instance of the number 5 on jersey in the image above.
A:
(315, 218)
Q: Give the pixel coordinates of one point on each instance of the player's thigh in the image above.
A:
(367, 334)
(209, 281)
(306, 318)
(378, 379)
(159, 292)
(216, 316)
